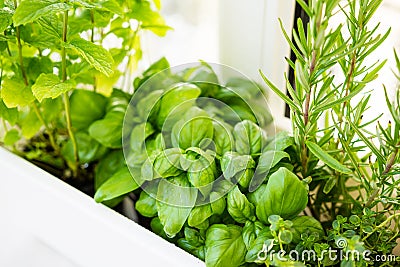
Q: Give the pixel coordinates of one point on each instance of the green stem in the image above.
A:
(382, 225)
(42, 121)
(65, 95)
(26, 82)
(92, 40)
(388, 167)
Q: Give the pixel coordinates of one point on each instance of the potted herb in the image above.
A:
(325, 197)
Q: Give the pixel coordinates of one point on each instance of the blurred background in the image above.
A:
(246, 35)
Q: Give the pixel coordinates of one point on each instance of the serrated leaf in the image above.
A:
(326, 158)
(14, 93)
(98, 57)
(50, 86)
(5, 19)
(31, 10)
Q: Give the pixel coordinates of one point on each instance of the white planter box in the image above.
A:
(45, 222)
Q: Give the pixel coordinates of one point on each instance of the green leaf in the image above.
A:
(282, 95)
(239, 207)
(30, 125)
(225, 246)
(5, 20)
(199, 215)
(270, 159)
(250, 232)
(223, 138)
(175, 202)
(117, 185)
(95, 55)
(107, 166)
(232, 163)
(202, 173)
(326, 158)
(15, 94)
(284, 195)
(167, 163)
(11, 137)
(264, 240)
(86, 107)
(31, 10)
(195, 128)
(146, 205)
(88, 149)
(218, 203)
(8, 114)
(139, 135)
(280, 142)
(249, 138)
(108, 131)
(176, 102)
(306, 225)
(50, 86)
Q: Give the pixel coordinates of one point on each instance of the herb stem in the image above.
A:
(26, 82)
(65, 95)
(381, 225)
(92, 40)
(388, 167)
(42, 121)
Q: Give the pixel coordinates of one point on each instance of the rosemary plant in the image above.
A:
(352, 171)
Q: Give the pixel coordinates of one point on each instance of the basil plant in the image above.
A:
(205, 174)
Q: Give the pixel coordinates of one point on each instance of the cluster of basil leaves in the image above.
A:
(245, 185)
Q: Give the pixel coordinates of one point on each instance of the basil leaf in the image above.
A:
(139, 135)
(50, 86)
(201, 174)
(146, 205)
(199, 215)
(251, 231)
(326, 158)
(217, 202)
(280, 142)
(108, 131)
(15, 94)
(167, 163)
(245, 177)
(223, 138)
(88, 149)
(174, 103)
(224, 246)
(29, 11)
(284, 195)
(195, 128)
(239, 207)
(233, 163)
(269, 159)
(95, 55)
(249, 138)
(117, 185)
(86, 107)
(308, 225)
(264, 239)
(175, 202)
(107, 166)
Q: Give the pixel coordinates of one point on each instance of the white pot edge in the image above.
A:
(78, 230)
